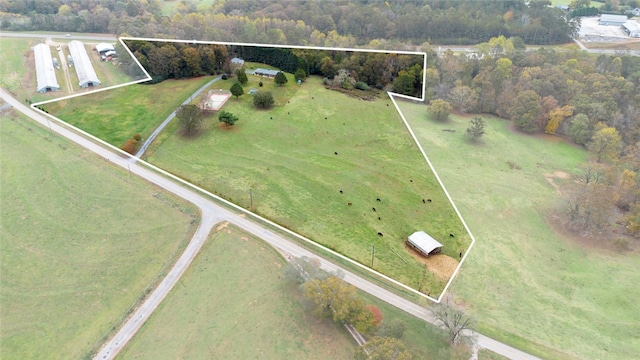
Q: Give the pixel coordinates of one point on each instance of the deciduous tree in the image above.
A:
(605, 143)
(463, 98)
(189, 117)
(302, 269)
(236, 90)
(454, 320)
(439, 110)
(524, 110)
(300, 75)
(383, 348)
(263, 100)
(392, 327)
(332, 297)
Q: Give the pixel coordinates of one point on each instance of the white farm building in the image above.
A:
(45, 73)
(102, 48)
(632, 28)
(608, 19)
(423, 243)
(86, 75)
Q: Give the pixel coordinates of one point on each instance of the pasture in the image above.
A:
(317, 163)
(526, 284)
(116, 115)
(232, 303)
(82, 243)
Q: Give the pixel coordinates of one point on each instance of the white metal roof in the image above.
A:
(45, 73)
(424, 242)
(102, 47)
(268, 72)
(613, 18)
(237, 60)
(82, 63)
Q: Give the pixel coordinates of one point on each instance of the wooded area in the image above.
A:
(320, 23)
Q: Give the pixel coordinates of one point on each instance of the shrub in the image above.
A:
(360, 85)
(228, 118)
(129, 146)
(261, 84)
(263, 100)
(224, 77)
(325, 81)
(137, 137)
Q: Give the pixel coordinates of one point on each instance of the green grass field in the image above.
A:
(116, 115)
(526, 284)
(81, 243)
(286, 157)
(233, 304)
(14, 66)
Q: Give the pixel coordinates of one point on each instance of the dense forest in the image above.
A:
(314, 22)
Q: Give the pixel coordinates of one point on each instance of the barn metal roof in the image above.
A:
(268, 72)
(82, 63)
(45, 73)
(102, 47)
(424, 242)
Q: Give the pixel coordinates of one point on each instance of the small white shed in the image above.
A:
(423, 243)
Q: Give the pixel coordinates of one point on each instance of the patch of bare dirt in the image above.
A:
(222, 225)
(556, 175)
(441, 265)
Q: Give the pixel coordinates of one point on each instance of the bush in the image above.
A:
(263, 100)
(360, 85)
(129, 146)
(325, 81)
(224, 77)
(261, 84)
(137, 137)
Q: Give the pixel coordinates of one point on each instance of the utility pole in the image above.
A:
(373, 253)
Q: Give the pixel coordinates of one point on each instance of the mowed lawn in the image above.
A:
(232, 303)
(116, 115)
(297, 157)
(524, 283)
(81, 243)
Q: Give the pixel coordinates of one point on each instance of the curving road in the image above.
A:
(212, 214)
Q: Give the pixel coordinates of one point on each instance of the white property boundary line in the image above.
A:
(253, 215)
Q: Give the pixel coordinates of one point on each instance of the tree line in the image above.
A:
(402, 73)
(319, 23)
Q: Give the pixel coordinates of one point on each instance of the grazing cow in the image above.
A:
(336, 153)
(312, 98)
(387, 104)
(461, 255)
(378, 199)
(410, 180)
(424, 202)
(341, 192)
(451, 235)
(374, 209)
(288, 113)
(349, 204)
(380, 234)
(325, 118)
(428, 200)
(271, 117)
(379, 218)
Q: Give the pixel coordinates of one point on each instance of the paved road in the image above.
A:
(157, 131)
(98, 37)
(211, 214)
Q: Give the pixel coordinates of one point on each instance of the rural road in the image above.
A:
(98, 37)
(212, 214)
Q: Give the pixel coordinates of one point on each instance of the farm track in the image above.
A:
(212, 214)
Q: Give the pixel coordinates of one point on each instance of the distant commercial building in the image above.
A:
(632, 28)
(608, 19)
(84, 68)
(45, 73)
